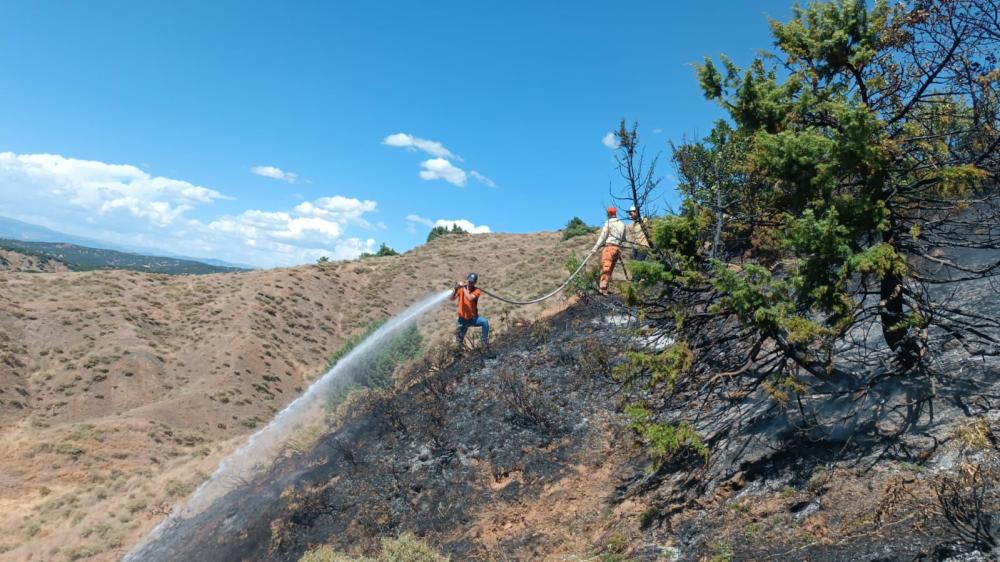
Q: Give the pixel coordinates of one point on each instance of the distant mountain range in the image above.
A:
(84, 258)
(15, 230)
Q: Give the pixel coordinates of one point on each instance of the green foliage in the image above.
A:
(959, 181)
(664, 441)
(586, 281)
(664, 367)
(323, 260)
(720, 552)
(353, 342)
(830, 169)
(383, 250)
(679, 240)
(375, 369)
(576, 227)
(443, 230)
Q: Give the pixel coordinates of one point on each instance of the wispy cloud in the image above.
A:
(420, 220)
(441, 166)
(482, 179)
(610, 141)
(123, 204)
(410, 142)
(442, 169)
(464, 224)
(275, 173)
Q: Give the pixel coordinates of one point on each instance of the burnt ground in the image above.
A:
(525, 456)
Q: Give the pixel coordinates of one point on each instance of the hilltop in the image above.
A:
(121, 390)
(18, 261)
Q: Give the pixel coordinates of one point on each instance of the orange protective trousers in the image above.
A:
(609, 257)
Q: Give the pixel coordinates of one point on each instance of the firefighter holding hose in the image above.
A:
(612, 237)
(467, 295)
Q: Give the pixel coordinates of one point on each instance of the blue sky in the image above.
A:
(141, 122)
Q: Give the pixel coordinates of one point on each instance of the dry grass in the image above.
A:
(120, 390)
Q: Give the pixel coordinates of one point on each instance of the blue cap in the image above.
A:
(472, 277)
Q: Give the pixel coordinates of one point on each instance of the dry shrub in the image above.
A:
(969, 501)
(517, 392)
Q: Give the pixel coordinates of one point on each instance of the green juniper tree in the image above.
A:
(829, 222)
(864, 154)
(443, 230)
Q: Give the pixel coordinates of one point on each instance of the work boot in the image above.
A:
(486, 351)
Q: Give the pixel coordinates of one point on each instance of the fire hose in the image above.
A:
(549, 295)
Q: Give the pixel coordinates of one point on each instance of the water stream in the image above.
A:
(268, 443)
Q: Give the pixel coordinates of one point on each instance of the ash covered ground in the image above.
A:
(527, 456)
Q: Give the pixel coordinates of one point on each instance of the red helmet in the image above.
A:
(612, 212)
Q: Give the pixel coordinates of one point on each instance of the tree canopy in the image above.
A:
(442, 230)
(852, 184)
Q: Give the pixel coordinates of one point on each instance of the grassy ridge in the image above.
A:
(82, 258)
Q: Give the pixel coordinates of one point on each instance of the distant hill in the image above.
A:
(13, 229)
(83, 258)
(18, 261)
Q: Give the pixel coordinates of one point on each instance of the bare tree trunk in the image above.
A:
(900, 336)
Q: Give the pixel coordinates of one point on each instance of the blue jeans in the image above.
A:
(464, 325)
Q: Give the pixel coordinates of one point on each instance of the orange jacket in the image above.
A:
(468, 302)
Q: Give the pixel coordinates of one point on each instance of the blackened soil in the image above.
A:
(463, 436)
(427, 458)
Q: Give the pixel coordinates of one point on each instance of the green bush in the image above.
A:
(663, 440)
(383, 250)
(576, 227)
(375, 372)
(442, 230)
(586, 281)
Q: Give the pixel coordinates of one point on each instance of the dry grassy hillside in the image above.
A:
(16, 261)
(120, 391)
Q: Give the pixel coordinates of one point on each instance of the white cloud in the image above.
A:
(464, 224)
(276, 173)
(125, 205)
(441, 169)
(410, 142)
(657, 131)
(40, 181)
(339, 208)
(483, 179)
(609, 140)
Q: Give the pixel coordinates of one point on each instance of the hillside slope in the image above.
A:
(11, 260)
(120, 390)
(529, 456)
